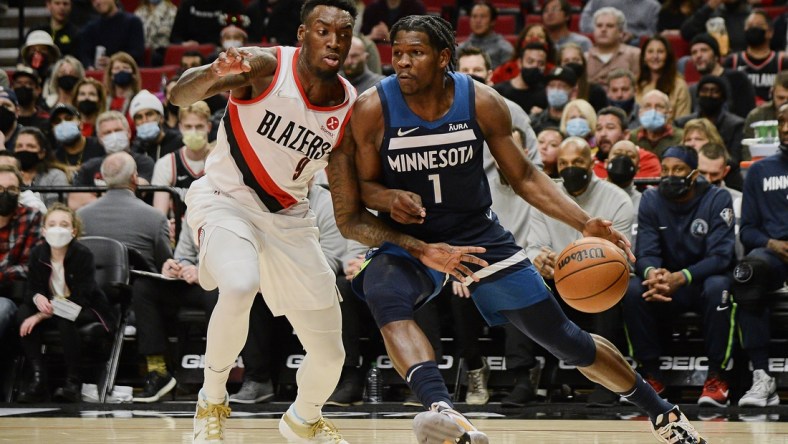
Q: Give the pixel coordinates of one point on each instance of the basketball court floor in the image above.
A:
(386, 423)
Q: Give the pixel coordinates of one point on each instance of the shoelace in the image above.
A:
(761, 385)
(214, 414)
(475, 380)
(323, 425)
(677, 431)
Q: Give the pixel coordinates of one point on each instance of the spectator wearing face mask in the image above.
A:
(561, 82)
(122, 81)
(73, 148)
(40, 53)
(61, 87)
(152, 138)
(157, 18)
(579, 120)
(527, 88)
(9, 126)
(27, 86)
(112, 129)
(91, 100)
(656, 131)
(622, 166)
(610, 130)
(37, 163)
(621, 89)
(231, 36)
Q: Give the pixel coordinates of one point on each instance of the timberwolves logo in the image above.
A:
(699, 228)
(727, 216)
(742, 273)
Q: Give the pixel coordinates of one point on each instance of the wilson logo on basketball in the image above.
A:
(580, 256)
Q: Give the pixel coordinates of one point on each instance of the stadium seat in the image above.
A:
(172, 56)
(504, 24)
(574, 23)
(152, 77)
(97, 74)
(532, 19)
(384, 49)
(680, 46)
(775, 11)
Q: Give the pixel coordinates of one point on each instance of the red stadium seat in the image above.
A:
(680, 46)
(384, 49)
(775, 11)
(532, 19)
(172, 56)
(574, 23)
(151, 77)
(97, 74)
(504, 24)
(691, 74)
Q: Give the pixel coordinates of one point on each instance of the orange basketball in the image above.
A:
(592, 274)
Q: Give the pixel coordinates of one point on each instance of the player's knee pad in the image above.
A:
(752, 278)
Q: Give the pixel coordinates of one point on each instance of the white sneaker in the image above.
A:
(321, 432)
(209, 421)
(762, 393)
(477, 385)
(674, 428)
(442, 423)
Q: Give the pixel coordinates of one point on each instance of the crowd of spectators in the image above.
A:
(600, 95)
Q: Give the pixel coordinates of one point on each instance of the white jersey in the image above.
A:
(268, 147)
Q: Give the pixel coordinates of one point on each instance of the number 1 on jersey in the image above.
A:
(436, 186)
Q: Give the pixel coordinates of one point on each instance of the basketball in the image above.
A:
(591, 274)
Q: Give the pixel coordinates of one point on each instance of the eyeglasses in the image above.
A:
(12, 190)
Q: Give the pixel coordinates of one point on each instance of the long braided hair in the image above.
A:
(437, 29)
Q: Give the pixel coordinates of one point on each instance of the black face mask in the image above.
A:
(122, 78)
(531, 76)
(755, 36)
(578, 68)
(621, 170)
(674, 187)
(8, 203)
(575, 178)
(24, 95)
(67, 82)
(710, 106)
(27, 159)
(7, 119)
(87, 107)
(626, 105)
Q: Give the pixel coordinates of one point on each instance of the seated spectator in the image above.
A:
(658, 71)
(73, 148)
(60, 268)
(148, 114)
(182, 167)
(640, 16)
(118, 214)
(682, 267)
(66, 73)
(579, 120)
(39, 53)
(767, 111)
(656, 132)
(114, 29)
(233, 37)
(571, 56)
(713, 165)
(548, 141)
(199, 21)
(157, 18)
(699, 132)
(758, 60)
(113, 133)
(37, 163)
(157, 301)
(621, 89)
(622, 166)
(705, 54)
(170, 109)
(764, 234)
(674, 13)
(556, 16)
(560, 85)
(380, 15)
(27, 86)
(27, 197)
(191, 59)
(91, 100)
(609, 131)
(355, 68)
(483, 35)
(527, 89)
(9, 125)
(65, 34)
(535, 32)
(546, 240)
(122, 82)
(610, 50)
(734, 12)
(711, 98)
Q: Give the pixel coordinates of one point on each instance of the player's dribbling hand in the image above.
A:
(545, 263)
(598, 227)
(451, 260)
(459, 289)
(406, 208)
(232, 61)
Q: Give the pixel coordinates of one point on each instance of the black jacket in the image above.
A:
(80, 274)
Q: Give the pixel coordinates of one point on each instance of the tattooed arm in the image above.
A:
(246, 72)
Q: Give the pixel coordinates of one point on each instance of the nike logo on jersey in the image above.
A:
(662, 228)
(401, 133)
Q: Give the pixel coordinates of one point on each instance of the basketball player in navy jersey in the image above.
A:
(415, 146)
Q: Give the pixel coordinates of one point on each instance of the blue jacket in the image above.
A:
(696, 236)
(764, 209)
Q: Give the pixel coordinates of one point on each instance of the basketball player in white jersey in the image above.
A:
(287, 111)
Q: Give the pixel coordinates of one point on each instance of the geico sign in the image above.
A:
(198, 361)
(383, 362)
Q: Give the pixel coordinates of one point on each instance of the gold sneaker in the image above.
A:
(321, 432)
(209, 421)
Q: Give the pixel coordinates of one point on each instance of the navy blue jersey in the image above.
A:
(439, 160)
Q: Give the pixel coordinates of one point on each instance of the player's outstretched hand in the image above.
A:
(598, 227)
(452, 260)
(232, 61)
(406, 208)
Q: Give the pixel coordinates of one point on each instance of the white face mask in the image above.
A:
(58, 237)
(115, 142)
(227, 44)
